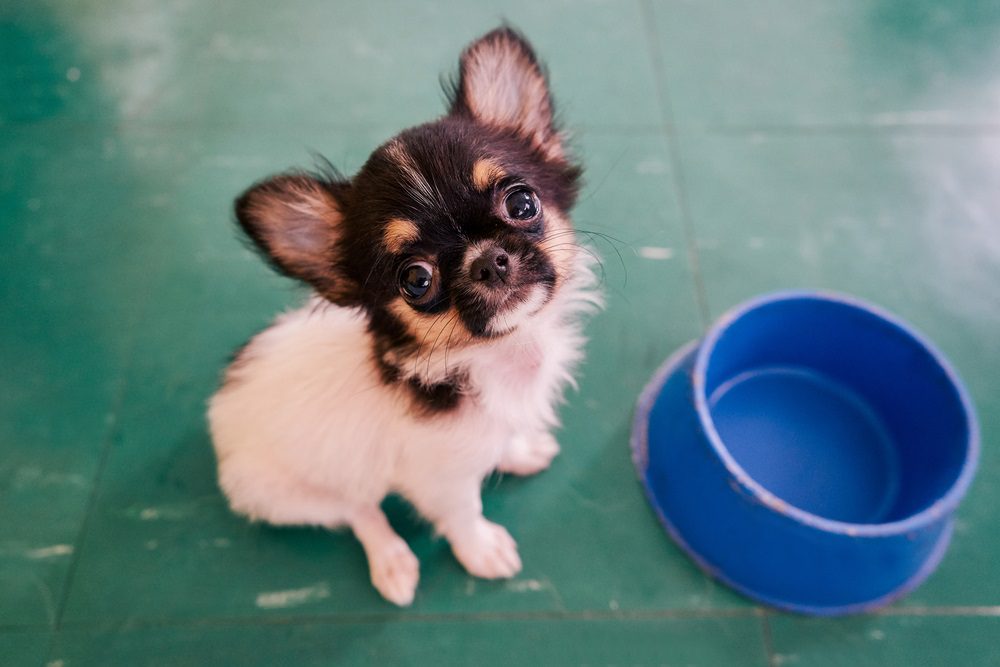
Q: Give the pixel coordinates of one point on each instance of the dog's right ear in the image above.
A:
(296, 220)
(501, 84)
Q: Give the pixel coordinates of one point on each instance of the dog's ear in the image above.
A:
(502, 85)
(296, 220)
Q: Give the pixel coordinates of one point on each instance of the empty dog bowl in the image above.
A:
(810, 452)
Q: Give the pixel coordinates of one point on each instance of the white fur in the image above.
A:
(306, 432)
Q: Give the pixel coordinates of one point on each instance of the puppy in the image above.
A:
(442, 331)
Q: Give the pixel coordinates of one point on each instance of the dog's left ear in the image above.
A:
(502, 85)
(296, 220)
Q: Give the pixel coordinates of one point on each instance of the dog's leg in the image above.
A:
(393, 567)
(263, 491)
(484, 548)
(528, 454)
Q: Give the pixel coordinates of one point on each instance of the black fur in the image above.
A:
(357, 269)
(437, 398)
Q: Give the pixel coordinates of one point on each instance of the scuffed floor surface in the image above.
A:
(731, 148)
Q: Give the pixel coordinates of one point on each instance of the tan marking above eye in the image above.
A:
(398, 233)
(485, 173)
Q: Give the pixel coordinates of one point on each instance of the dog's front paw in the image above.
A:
(527, 455)
(486, 550)
(395, 572)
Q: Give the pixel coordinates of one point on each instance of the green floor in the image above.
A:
(733, 147)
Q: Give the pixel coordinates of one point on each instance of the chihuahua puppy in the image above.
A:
(442, 331)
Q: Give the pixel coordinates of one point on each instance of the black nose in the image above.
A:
(491, 267)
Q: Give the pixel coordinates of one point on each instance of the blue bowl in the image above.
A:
(810, 451)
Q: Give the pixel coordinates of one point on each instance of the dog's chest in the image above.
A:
(522, 367)
(520, 381)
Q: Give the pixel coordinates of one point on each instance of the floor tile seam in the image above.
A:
(672, 127)
(967, 611)
(837, 129)
(677, 169)
(197, 124)
(106, 443)
(138, 623)
(24, 628)
(91, 503)
(108, 438)
(768, 638)
(132, 624)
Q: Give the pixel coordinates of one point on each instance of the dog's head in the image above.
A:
(457, 228)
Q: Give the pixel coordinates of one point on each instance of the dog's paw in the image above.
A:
(528, 455)
(395, 572)
(487, 550)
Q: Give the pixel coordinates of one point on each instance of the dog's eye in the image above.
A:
(521, 204)
(415, 280)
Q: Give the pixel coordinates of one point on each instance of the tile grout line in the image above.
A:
(765, 628)
(497, 616)
(388, 617)
(838, 130)
(819, 129)
(968, 611)
(91, 502)
(108, 439)
(677, 176)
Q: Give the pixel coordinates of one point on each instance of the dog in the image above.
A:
(444, 325)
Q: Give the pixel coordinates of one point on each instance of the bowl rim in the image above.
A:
(940, 508)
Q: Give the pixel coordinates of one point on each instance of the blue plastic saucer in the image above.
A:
(810, 452)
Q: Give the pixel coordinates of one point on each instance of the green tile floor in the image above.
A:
(731, 147)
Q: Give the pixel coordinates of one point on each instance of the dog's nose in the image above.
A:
(491, 267)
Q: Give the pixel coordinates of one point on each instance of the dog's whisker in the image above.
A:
(589, 251)
(614, 242)
(430, 354)
(420, 346)
(381, 256)
(447, 347)
(607, 237)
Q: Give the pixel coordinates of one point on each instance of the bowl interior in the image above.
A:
(835, 409)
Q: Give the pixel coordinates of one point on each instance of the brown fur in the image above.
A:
(398, 233)
(486, 173)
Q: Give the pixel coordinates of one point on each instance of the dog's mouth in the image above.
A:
(502, 313)
(516, 310)
(503, 283)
